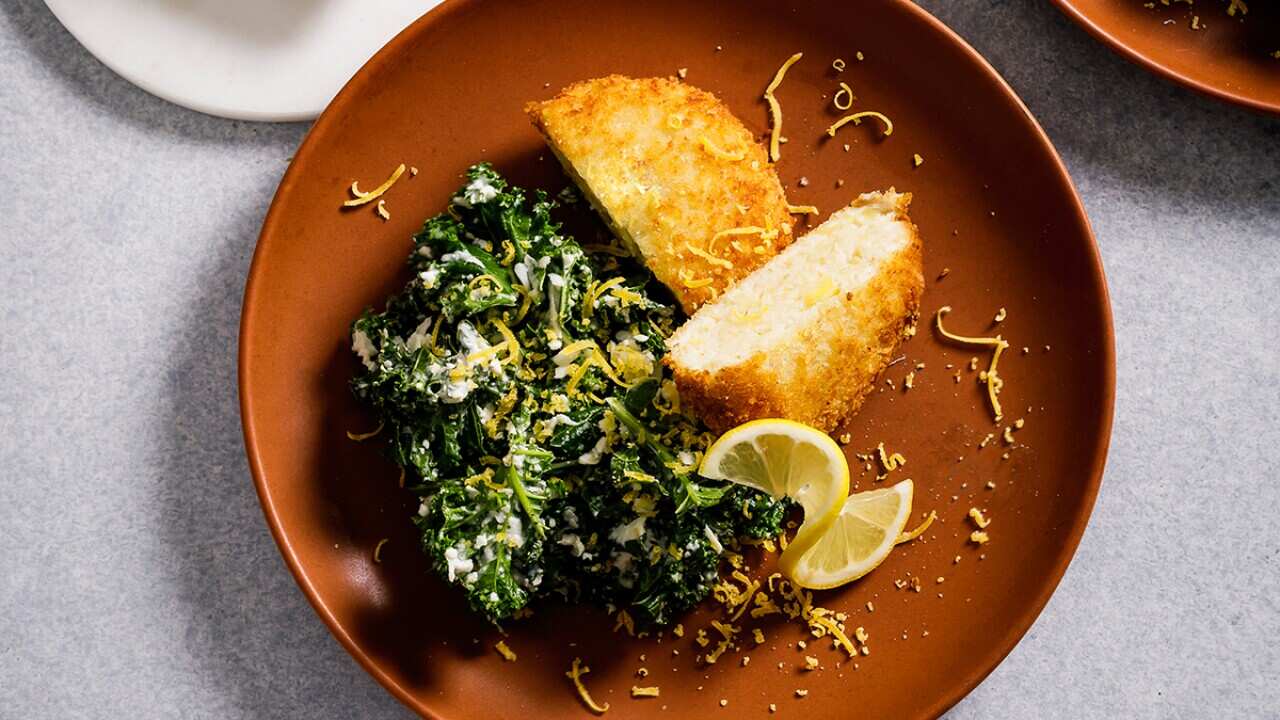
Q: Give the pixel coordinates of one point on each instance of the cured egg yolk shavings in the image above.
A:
(892, 461)
(644, 692)
(362, 198)
(846, 93)
(377, 550)
(507, 653)
(978, 518)
(989, 376)
(575, 674)
(361, 437)
(856, 119)
(907, 537)
(775, 109)
(716, 152)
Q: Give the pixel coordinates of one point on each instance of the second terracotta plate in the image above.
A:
(998, 215)
(1228, 57)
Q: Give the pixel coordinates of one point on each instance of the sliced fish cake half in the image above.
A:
(677, 177)
(805, 336)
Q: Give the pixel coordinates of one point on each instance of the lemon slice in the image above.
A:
(785, 458)
(860, 538)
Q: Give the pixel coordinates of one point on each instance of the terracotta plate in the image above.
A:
(1228, 57)
(994, 205)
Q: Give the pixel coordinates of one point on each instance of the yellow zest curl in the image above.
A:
(912, 535)
(708, 256)
(575, 674)
(593, 293)
(892, 461)
(856, 119)
(509, 339)
(360, 198)
(775, 129)
(994, 382)
(847, 93)
(361, 437)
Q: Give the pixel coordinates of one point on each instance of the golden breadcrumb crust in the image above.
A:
(669, 167)
(826, 370)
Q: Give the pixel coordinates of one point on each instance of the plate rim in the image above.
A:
(1137, 57)
(1013, 632)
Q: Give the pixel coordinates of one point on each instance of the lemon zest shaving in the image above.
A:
(993, 380)
(856, 119)
(577, 376)
(486, 353)
(361, 437)
(435, 335)
(575, 674)
(594, 293)
(836, 633)
(597, 359)
(511, 253)
(473, 282)
(361, 198)
(845, 91)
(509, 339)
(526, 301)
(907, 537)
(507, 653)
(719, 153)
(377, 550)
(381, 209)
(574, 348)
(802, 209)
(694, 282)
(626, 296)
(708, 256)
(764, 233)
(775, 109)
(892, 461)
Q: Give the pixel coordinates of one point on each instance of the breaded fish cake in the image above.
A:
(805, 336)
(677, 177)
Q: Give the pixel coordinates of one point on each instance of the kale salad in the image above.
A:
(519, 381)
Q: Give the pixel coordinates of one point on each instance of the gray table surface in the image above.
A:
(137, 577)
